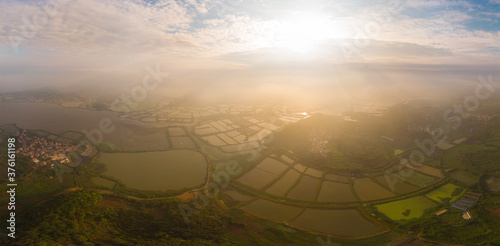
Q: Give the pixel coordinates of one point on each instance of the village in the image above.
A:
(42, 151)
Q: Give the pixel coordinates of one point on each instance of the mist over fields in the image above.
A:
(308, 82)
(314, 52)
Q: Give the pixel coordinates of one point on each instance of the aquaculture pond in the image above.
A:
(159, 171)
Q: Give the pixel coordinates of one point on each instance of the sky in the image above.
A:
(237, 44)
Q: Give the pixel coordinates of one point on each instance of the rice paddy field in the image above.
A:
(336, 192)
(432, 171)
(314, 197)
(157, 171)
(286, 159)
(133, 138)
(299, 167)
(257, 178)
(406, 209)
(314, 172)
(237, 196)
(264, 173)
(305, 189)
(214, 140)
(272, 165)
(367, 190)
(339, 222)
(395, 184)
(271, 210)
(338, 178)
(280, 187)
(299, 182)
(176, 132)
(182, 143)
(349, 223)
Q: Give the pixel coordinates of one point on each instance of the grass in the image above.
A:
(398, 152)
(446, 193)
(406, 209)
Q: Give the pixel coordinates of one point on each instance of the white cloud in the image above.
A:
(174, 27)
(492, 14)
(437, 3)
(94, 26)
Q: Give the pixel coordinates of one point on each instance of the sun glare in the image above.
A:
(303, 32)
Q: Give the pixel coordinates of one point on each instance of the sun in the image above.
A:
(303, 32)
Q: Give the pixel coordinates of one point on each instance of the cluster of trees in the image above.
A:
(77, 218)
(67, 218)
(481, 230)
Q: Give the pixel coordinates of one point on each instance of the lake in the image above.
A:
(128, 135)
(52, 117)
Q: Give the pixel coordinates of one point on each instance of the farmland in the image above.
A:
(342, 223)
(406, 209)
(156, 170)
(271, 210)
(316, 178)
(281, 187)
(367, 190)
(336, 192)
(446, 193)
(305, 189)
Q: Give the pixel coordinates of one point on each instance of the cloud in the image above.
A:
(437, 3)
(492, 14)
(87, 35)
(95, 26)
